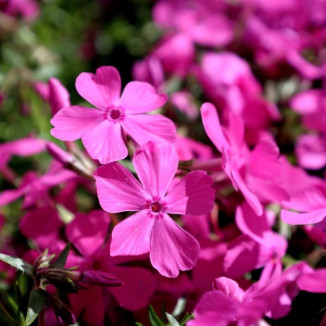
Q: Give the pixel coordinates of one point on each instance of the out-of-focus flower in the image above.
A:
(255, 173)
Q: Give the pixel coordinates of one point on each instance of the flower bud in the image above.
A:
(100, 278)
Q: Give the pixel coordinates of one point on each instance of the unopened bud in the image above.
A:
(100, 278)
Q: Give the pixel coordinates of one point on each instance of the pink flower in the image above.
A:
(257, 173)
(102, 130)
(151, 229)
(87, 232)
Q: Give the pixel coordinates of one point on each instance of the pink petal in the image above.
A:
(21, 147)
(214, 308)
(156, 165)
(251, 224)
(263, 161)
(101, 89)
(141, 97)
(58, 96)
(105, 143)
(87, 232)
(314, 281)
(213, 127)
(172, 248)
(304, 67)
(118, 190)
(8, 196)
(312, 198)
(229, 287)
(243, 255)
(251, 198)
(132, 236)
(42, 226)
(193, 195)
(149, 127)
(295, 218)
(138, 287)
(307, 102)
(72, 122)
(311, 151)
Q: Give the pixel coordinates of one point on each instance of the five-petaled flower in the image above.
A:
(102, 131)
(151, 230)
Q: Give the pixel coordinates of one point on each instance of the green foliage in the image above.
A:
(35, 304)
(61, 260)
(18, 263)
(153, 318)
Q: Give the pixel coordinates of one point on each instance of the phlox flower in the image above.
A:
(270, 296)
(102, 130)
(257, 173)
(151, 230)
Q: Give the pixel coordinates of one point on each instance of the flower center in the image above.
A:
(114, 113)
(156, 207)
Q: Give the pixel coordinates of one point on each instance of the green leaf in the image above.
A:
(35, 304)
(61, 260)
(186, 318)
(153, 318)
(139, 324)
(172, 320)
(17, 263)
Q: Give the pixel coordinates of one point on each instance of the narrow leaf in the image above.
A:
(172, 320)
(153, 318)
(61, 260)
(35, 305)
(17, 263)
(186, 318)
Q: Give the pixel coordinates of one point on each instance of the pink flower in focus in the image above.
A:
(151, 229)
(102, 130)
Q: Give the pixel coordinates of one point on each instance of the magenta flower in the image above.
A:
(151, 230)
(102, 130)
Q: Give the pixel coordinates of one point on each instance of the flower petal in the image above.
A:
(72, 122)
(101, 89)
(118, 190)
(105, 143)
(141, 97)
(132, 236)
(138, 287)
(192, 195)
(58, 95)
(156, 165)
(313, 281)
(147, 127)
(295, 218)
(87, 232)
(172, 248)
(213, 127)
(214, 308)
